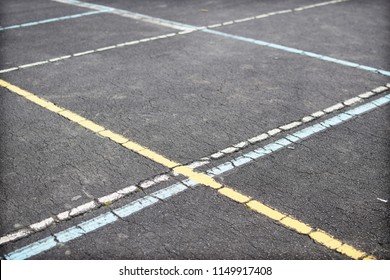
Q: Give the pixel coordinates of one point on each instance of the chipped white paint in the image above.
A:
(335, 107)
(318, 114)
(197, 164)
(110, 198)
(83, 208)
(42, 225)
(128, 190)
(273, 132)
(379, 89)
(229, 150)
(63, 215)
(241, 144)
(307, 119)
(352, 101)
(15, 235)
(290, 125)
(383, 200)
(147, 184)
(217, 155)
(161, 178)
(367, 94)
(258, 138)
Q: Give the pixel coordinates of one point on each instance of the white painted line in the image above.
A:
(290, 125)
(33, 64)
(84, 53)
(9, 70)
(15, 235)
(307, 119)
(205, 160)
(335, 107)
(241, 144)
(42, 225)
(273, 132)
(258, 138)
(60, 58)
(382, 200)
(379, 89)
(294, 124)
(142, 203)
(318, 114)
(367, 94)
(352, 101)
(106, 48)
(83, 208)
(229, 150)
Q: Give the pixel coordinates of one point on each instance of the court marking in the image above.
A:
(144, 184)
(188, 27)
(50, 20)
(98, 50)
(320, 236)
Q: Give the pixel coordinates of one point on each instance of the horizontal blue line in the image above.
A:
(298, 51)
(139, 204)
(49, 20)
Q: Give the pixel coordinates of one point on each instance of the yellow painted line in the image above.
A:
(234, 195)
(296, 225)
(318, 235)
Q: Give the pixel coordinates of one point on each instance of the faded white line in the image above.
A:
(110, 198)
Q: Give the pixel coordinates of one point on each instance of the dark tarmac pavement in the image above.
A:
(187, 96)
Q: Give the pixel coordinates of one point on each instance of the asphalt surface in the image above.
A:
(187, 97)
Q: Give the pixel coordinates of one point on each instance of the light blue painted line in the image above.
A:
(98, 222)
(308, 131)
(380, 101)
(332, 122)
(383, 72)
(283, 142)
(32, 249)
(241, 160)
(344, 116)
(273, 147)
(361, 109)
(69, 234)
(225, 167)
(260, 153)
(298, 51)
(133, 207)
(181, 26)
(292, 138)
(49, 20)
(256, 154)
(170, 191)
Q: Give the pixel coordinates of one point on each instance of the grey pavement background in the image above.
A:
(186, 97)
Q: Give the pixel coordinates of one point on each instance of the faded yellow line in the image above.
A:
(319, 236)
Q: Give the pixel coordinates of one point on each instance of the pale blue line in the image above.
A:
(298, 51)
(135, 206)
(69, 234)
(49, 20)
(244, 39)
(32, 249)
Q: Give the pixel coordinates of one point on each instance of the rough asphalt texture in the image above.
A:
(187, 97)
